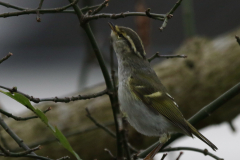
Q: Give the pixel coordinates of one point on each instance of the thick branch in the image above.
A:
(203, 113)
(56, 99)
(6, 57)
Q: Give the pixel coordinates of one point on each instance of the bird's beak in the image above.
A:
(112, 26)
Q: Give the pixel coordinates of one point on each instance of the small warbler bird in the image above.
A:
(143, 99)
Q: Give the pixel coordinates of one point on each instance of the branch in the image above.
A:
(169, 15)
(32, 156)
(204, 151)
(20, 154)
(104, 70)
(20, 118)
(203, 113)
(69, 134)
(36, 11)
(156, 55)
(100, 7)
(6, 57)
(122, 15)
(180, 154)
(56, 99)
(238, 39)
(100, 125)
(14, 136)
(163, 156)
(11, 6)
(40, 4)
(110, 153)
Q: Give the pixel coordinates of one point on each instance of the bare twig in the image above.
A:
(180, 154)
(156, 55)
(170, 15)
(3, 140)
(40, 4)
(11, 6)
(204, 151)
(100, 125)
(124, 135)
(20, 154)
(110, 153)
(35, 11)
(163, 156)
(63, 158)
(175, 7)
(6, 57)
(238, 39)
(32, 156)
(123, 15)
(14, 136)
(56, 99)
(49, 140)
(20, 118)
(101, 6)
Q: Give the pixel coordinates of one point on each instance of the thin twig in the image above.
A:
(101, 6)
(20, 154)
(56, 99)
(24, 11)
(110, 153)
(204, 151)
(14, 136)
(11, 6)
(200, 115)
(32, 156)
(156, 55)
(163, 156)
(175, 7)
(40, 4)
(170, 15)
(3, 140)
(123, 15)
(6, 57)
(238, 39)
(49, 140)
(20, 118)
(63, 158)
(99, 125)
(180, 154)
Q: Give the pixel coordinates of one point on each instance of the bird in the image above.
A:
(144, 100)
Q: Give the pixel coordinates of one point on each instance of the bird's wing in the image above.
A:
(149, 90)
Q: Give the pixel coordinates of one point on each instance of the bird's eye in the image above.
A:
(120, 35)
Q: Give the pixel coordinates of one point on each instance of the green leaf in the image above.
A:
(56, 132)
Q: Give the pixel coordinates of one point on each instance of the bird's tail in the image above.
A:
(200, 136)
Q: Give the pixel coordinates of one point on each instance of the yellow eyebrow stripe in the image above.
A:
(153, 95)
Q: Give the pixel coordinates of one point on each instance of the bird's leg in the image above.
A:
(163, 139)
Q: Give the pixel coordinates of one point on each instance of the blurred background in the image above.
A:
(53, 57)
